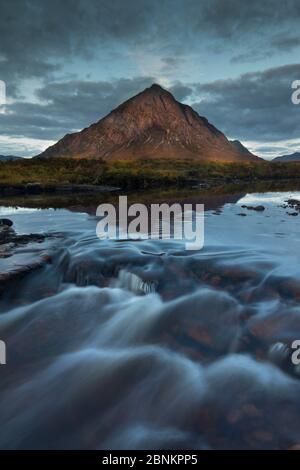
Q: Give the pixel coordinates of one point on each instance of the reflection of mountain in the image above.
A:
(152, 124)
(89, 202)
(293, 157)
(216, 202)
(213, 198)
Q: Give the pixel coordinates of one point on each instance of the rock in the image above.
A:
(14, 265)
(6, 222)
(9, 236)
(293, 214)
(242, 214)
(19, 254)
(293, 204)
(6, 234)
(254, 208)
(278, 353)
(290, 289)
(14, 273)
(134, 283)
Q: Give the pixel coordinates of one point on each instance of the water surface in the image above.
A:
(136, 345)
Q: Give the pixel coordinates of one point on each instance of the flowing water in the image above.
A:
(144, 345)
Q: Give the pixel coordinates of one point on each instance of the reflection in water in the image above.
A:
(146, 345)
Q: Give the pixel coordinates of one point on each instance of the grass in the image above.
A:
(138, 174)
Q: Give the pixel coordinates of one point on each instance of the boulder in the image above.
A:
(6, 223)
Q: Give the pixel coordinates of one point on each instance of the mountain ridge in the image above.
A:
(293, 157)
(238, 145)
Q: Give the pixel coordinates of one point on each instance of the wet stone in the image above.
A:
(6, 223)
(254, 208)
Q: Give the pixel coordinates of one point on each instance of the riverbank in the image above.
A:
(73, 175)
(20, 253)
(38, 188)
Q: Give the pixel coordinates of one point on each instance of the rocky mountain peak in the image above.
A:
(152, 124)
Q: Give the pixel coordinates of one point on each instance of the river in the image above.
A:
(145, 345)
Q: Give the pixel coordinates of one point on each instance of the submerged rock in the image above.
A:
(254, 208)
(9, 239)
(12, 273)
(134, 283)
(6, 223)
(278, 353)
(17, 261)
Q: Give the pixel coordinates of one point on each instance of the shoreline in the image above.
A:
(38, 188)
(29, 189)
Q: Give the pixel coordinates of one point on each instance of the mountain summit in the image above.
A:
(152, 124)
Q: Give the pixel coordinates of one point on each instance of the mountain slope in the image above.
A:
(240, 147)
(152, 124)
(294, 157)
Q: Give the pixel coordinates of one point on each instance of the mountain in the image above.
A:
(152, 124)
(8, 158)
(293, 157)
(241, 148)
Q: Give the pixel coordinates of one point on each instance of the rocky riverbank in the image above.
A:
(20, 254)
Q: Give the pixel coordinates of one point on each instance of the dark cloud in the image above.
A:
(279, 44)
(37, 37)
(181, 91)
(67, 107)
(173, 62)
(270, 149)
(286, 43)
(232, 18)
(258, 30)
(255, 106)
(252, 55)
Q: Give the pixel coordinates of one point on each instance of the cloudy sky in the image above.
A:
(68, 63)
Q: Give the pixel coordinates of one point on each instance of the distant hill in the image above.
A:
(8, 158)
(293, 157)
(151, 125)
